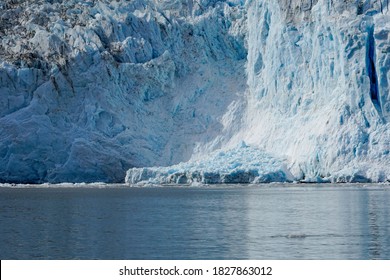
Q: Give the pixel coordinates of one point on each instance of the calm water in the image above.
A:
(240, 222)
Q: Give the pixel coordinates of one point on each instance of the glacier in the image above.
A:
(194, 91)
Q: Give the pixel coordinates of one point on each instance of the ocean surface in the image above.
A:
(218, 222)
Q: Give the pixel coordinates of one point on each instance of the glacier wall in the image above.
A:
(90, 89)
(318, 76)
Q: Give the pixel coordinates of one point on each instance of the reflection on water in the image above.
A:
(220, 222)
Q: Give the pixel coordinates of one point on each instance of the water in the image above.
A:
(220, 222)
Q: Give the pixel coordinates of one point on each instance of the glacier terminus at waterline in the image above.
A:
(185, 91)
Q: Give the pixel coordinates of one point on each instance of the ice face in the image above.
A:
(318, 76)
(90, 89)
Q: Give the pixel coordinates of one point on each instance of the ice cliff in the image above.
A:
(90, 89)
(318, 79)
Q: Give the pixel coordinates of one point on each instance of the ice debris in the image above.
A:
(241, 165)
